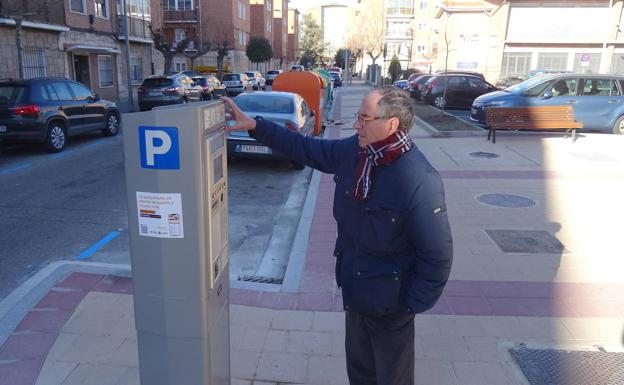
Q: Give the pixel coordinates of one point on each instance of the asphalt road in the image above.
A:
(72, 206)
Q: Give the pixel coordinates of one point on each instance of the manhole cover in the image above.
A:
(486, 155)
(526, 241)
(548, 366)
(506, 200)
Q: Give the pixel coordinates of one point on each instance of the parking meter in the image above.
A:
(176, 175)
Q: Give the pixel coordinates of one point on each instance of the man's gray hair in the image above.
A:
(396, 103)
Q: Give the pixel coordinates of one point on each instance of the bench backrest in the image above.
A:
(541, 117)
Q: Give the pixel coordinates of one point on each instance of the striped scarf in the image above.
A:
(380, 153)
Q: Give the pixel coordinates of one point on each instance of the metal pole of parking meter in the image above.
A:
(176, 178)
(127, 47)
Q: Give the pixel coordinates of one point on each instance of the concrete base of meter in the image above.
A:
(165, 360)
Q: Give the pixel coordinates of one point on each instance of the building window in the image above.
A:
(423, 4)
(101, 8)
(399, 29)
(268, 3)
(179, 35)
(588, 63)
(422, 26)
(241, 10)
(105, 70)
(34, 62)
(269, 25)
(399, 7)
(136, 69)
(77, 6)
(552, 61)
(180, 66)
(420, 48)
(178, 5)
(516, 63)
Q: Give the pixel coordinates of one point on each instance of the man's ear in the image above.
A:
(393, 125)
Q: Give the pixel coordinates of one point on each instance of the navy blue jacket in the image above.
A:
(394, 251)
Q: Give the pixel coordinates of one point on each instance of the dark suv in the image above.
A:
(48, 110)
(461, 90)
(164, 90)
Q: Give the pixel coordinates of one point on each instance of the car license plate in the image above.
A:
(155, 93)
(253, 149)
(473, 111)
(3, 129)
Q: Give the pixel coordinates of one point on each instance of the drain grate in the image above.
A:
(569, 367)
(486, 155)
(526, 241)
(506, 201)
(259, 279)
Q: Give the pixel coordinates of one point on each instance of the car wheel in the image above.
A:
(201, 98)
(439, 101)
(297, 165)
(112, 124)
(264, 87)
(184, 101)
(618, 127)
(56, 138)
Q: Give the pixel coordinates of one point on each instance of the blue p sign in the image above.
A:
(160, 147)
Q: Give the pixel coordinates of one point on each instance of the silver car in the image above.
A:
(257, 81)
(236, 83)
(284, 108)
(271, 75)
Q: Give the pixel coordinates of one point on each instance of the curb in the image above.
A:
(21, 300)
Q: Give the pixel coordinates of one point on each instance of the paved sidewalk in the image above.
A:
(549, 274)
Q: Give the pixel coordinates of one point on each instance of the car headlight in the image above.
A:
(496, 103)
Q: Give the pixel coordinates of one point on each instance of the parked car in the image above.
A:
(402, 84)
(336, 78)
(258, 82)
(285, 108)
(461, 90)
(297, 67)
(236, 83)
(271, 75)
(598, 100)
(459, 72)
(538, 72)
(211, 86)
(509, 81)
(417, 84)
(164, 90)
(335, 69)
(49, 110)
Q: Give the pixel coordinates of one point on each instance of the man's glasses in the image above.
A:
(362, 120)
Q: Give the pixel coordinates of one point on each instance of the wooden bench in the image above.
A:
(531, 118)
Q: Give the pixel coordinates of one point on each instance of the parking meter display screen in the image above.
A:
(217, 169)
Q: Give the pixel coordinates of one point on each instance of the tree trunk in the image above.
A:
(221, 53)
(168, 62)
(18, 43)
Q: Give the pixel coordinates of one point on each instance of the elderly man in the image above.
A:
(394, 248)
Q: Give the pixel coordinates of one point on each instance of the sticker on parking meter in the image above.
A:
(160, 215)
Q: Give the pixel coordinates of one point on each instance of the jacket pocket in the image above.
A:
(379, 233)
(377, 291)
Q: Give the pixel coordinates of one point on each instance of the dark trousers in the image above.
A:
(380, 350)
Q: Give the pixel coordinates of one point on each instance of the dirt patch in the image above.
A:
(442, 121)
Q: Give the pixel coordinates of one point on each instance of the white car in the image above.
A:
(236, 83)
(257, 81)
(271, 75)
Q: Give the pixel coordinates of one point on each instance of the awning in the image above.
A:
(90, 49)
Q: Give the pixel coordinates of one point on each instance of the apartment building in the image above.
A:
(511, 38)
(336, 19)
(399, 32)
(280, 33)
(81, 40)
(293, 36)
(209, 25)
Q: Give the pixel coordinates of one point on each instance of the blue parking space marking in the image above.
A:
(95, 144)
(8, 170)
(98, 245)
(63, 154)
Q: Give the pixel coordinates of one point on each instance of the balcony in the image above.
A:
(399, 11)
(137, 27)
(180, 16)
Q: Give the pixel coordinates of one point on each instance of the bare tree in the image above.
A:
(222, 41)
(166, 48)
(19, 11)
(199, 50)
(370, 28)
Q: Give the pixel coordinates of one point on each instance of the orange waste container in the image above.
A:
(309, 86)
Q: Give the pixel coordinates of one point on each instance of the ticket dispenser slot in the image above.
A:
(176, 176)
